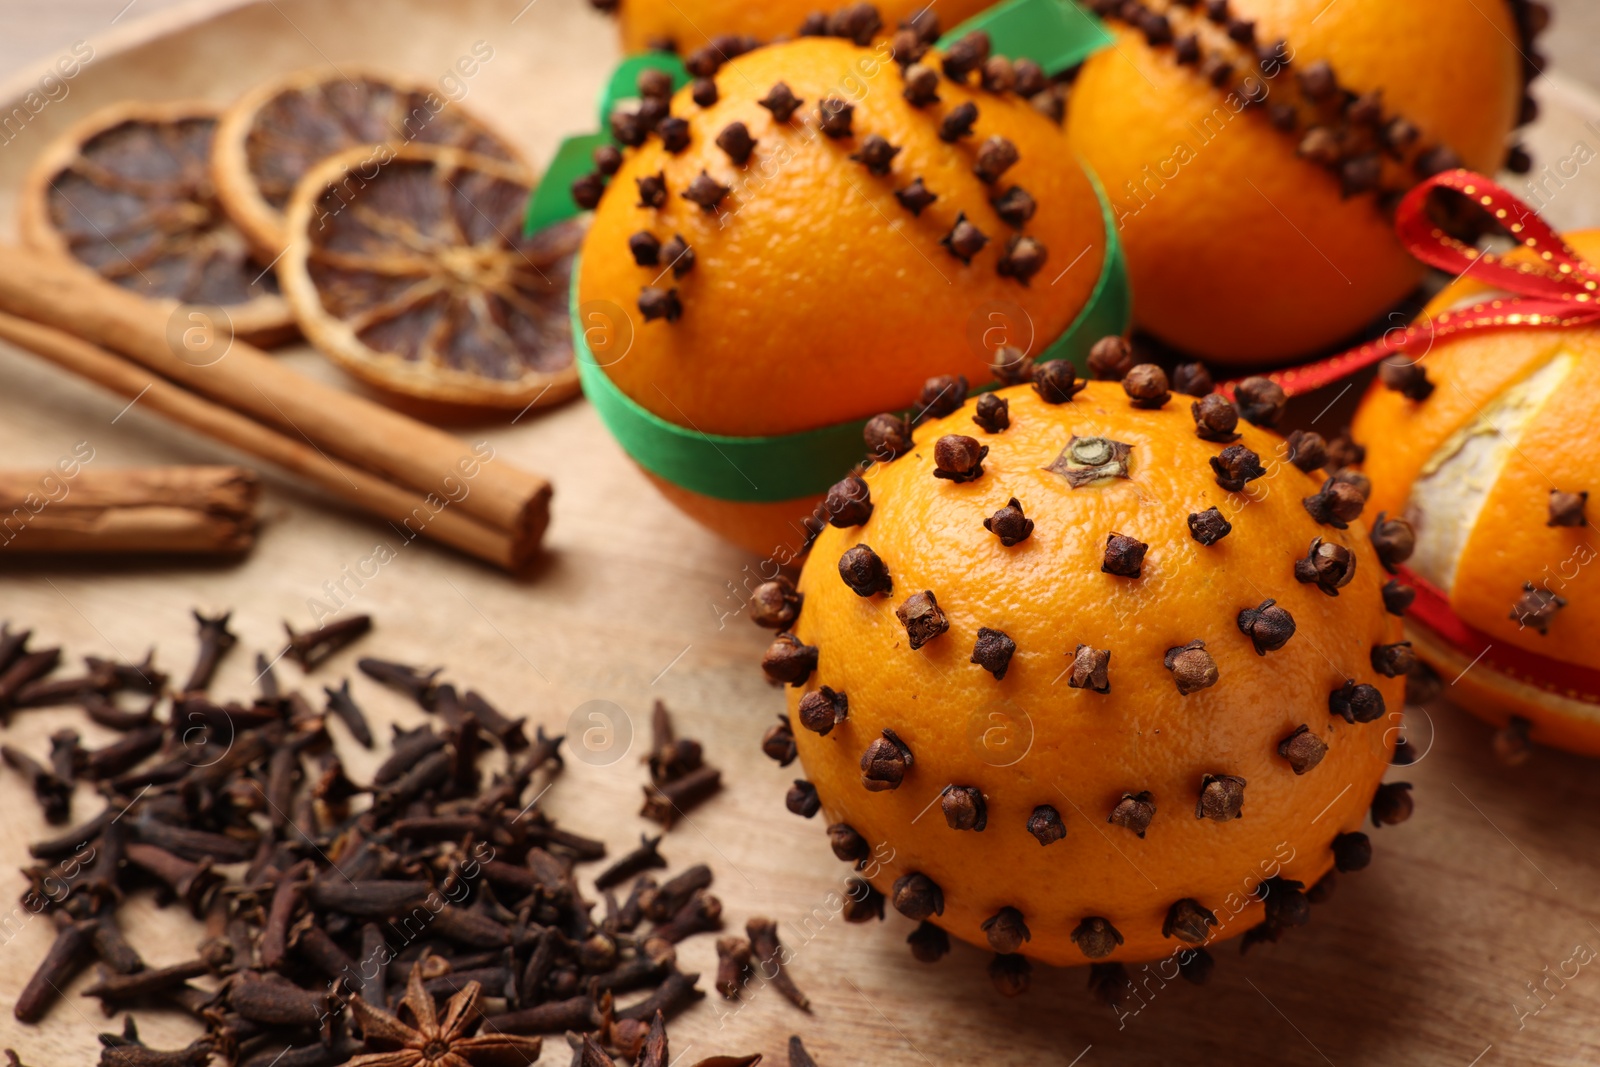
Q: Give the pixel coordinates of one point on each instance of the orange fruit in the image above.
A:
(407, 266)
(127, 195)
(816, 295)
(272, 135)
(1240, 248)
(685, 25)
(1481, 466)
(1003, 710)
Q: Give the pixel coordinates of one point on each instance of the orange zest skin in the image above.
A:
(1241, 252)
(690, 24)
(1510, 543)
(1084, 750)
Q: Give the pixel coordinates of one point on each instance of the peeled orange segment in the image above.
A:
(127, 193)
(275, 134)
(413, 274)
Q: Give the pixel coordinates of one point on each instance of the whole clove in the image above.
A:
(993, 651)
(964, 808)
(834, 117)
(1056, 381)
(965, 55)
(1268, 626)
(885, 762)
(1356, 702)
(1392, 804)
(789, 660)
(887, 436)
(1124, 556)
(822, 709)
(775, 604)
(1015, 206)
(313, 648)
(1096, 938)
(1193, 379)
(1023, 258)
(781, 101)
(1338, 503)
(1192, 667)
(1406, 377)
(1146, 385)
(411, 681)
(862, 903)
(1394, 540)
(1215, 418)
(1327, 565)
(770, 961)
(921, 85)
(995, 156)
(1236, 467)
(847, 844)
(706, 192)
(778, 742)
(964, 239)
(215, 642)
(733, 965)
(50, 789)
(644, 858)
(1009, 524)
(69, 952)
(1567, 509)
(992, 413)
(1302, 749)
(1111, 358)
(667, 802)
(923, 619)
(1134, 812)
(958, 458)
(1261, 401)
(345, 709)
(1209, 526)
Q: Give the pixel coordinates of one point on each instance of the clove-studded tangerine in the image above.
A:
(1070, 637)
(1254, 158)
(1484, 533)
(683, 25)
(943, 211)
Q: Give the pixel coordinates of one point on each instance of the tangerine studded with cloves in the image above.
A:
(1069, 642)
(949, 198)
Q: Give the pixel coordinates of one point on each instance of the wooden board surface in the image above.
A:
(1424, 959)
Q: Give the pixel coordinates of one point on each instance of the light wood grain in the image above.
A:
(1419, 961)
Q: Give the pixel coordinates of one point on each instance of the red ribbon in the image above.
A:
(1432, 609)
(1558, 288)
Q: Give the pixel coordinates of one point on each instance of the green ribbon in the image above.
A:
(1057, 34)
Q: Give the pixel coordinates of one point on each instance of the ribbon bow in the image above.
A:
(1554, 288)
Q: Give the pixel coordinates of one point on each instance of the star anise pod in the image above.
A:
(434, 1042)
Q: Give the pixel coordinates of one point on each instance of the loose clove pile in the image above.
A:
(338, 914)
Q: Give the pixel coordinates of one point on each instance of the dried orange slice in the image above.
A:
(409, 269)
(127, 194)
(274, 134)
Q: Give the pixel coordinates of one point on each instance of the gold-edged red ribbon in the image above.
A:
(1555, 288)
(1432, 609)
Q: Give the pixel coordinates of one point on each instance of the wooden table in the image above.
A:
(1425, 959)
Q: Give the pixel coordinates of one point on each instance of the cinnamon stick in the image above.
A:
(157, 509)
(358, 487)
(50, 292)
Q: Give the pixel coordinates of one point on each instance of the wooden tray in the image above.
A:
(1425, 959)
